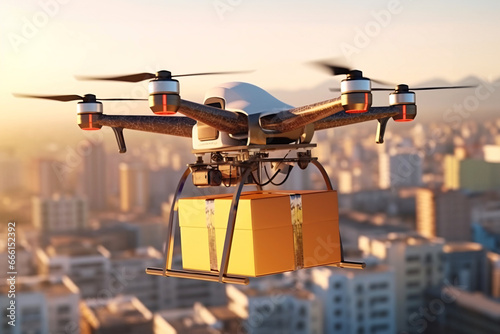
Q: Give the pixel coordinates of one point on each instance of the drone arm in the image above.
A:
(283, 121)
(176, 126)
(222, 120)
(288, 120)
(343, 118)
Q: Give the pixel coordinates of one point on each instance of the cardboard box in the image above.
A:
(270, 237)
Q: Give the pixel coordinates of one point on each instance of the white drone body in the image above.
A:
(238, 97)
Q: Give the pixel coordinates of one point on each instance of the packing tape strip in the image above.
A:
(212, 247)
(297, 220)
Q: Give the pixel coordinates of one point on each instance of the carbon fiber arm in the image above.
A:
(176, 126)
(292, 119)
(222, 120)
(342, 118)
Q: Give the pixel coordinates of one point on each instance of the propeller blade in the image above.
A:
(331, 69)
(338, 70)
(146, 75)
(121, 99)
(126, 78)
(373, 89)
(441, 87)
(62, 98)
(67, 98)
(423, 88)
(209, 73)
(380, 82)
(382, 89)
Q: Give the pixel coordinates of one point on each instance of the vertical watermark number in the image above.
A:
(12, 272)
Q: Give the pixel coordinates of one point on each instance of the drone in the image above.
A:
(238, 132)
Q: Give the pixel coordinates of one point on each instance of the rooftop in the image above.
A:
(137, 253)
(189, 326)
(117, 312)
(183, 320)
(223, 313)
(21, 246)
(295, 292)
(457, 247)
(369, 270)
(72, 250)
(493, 257)
(41, 284)
(369, 223)
(411, 239)
(475, 301)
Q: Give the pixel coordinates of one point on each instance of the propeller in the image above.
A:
(398, 87)
(67, 98)
(403, 88)
(137, 77)
(334, 70)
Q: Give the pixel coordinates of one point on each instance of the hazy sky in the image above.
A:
(44, 43)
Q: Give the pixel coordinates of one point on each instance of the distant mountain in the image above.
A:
(480, 103)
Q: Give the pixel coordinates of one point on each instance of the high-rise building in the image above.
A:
(42, 305)
(471, 174)
(182, 293)
(87, 267)
(11, 175)
(197, 319)
(220, 317)
(46, 180)
(346, 182)
(444, 214)
(417, 264)
(128, 276)
(494, 274)
(25, 262)
(354, 180)
(400, 168)
(59, 213)
(453, 310)
(93, 179)
(486, 222)
(276, 310)
(354, 224)
(485, 211)
(451, 167)
(162, 185)
(491, 153)
(361, 301)
(134, 187)
(150, 230)
(465, 266)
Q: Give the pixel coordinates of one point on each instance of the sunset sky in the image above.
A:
(44, 43)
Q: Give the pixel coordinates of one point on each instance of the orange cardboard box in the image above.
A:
(270, 237)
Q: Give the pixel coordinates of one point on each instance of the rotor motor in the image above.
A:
(87, 113)
(356, 93)
(164, 98)
(406, 99)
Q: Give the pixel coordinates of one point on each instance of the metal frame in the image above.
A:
(169, 247)
(342, 263)
(221, 276)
